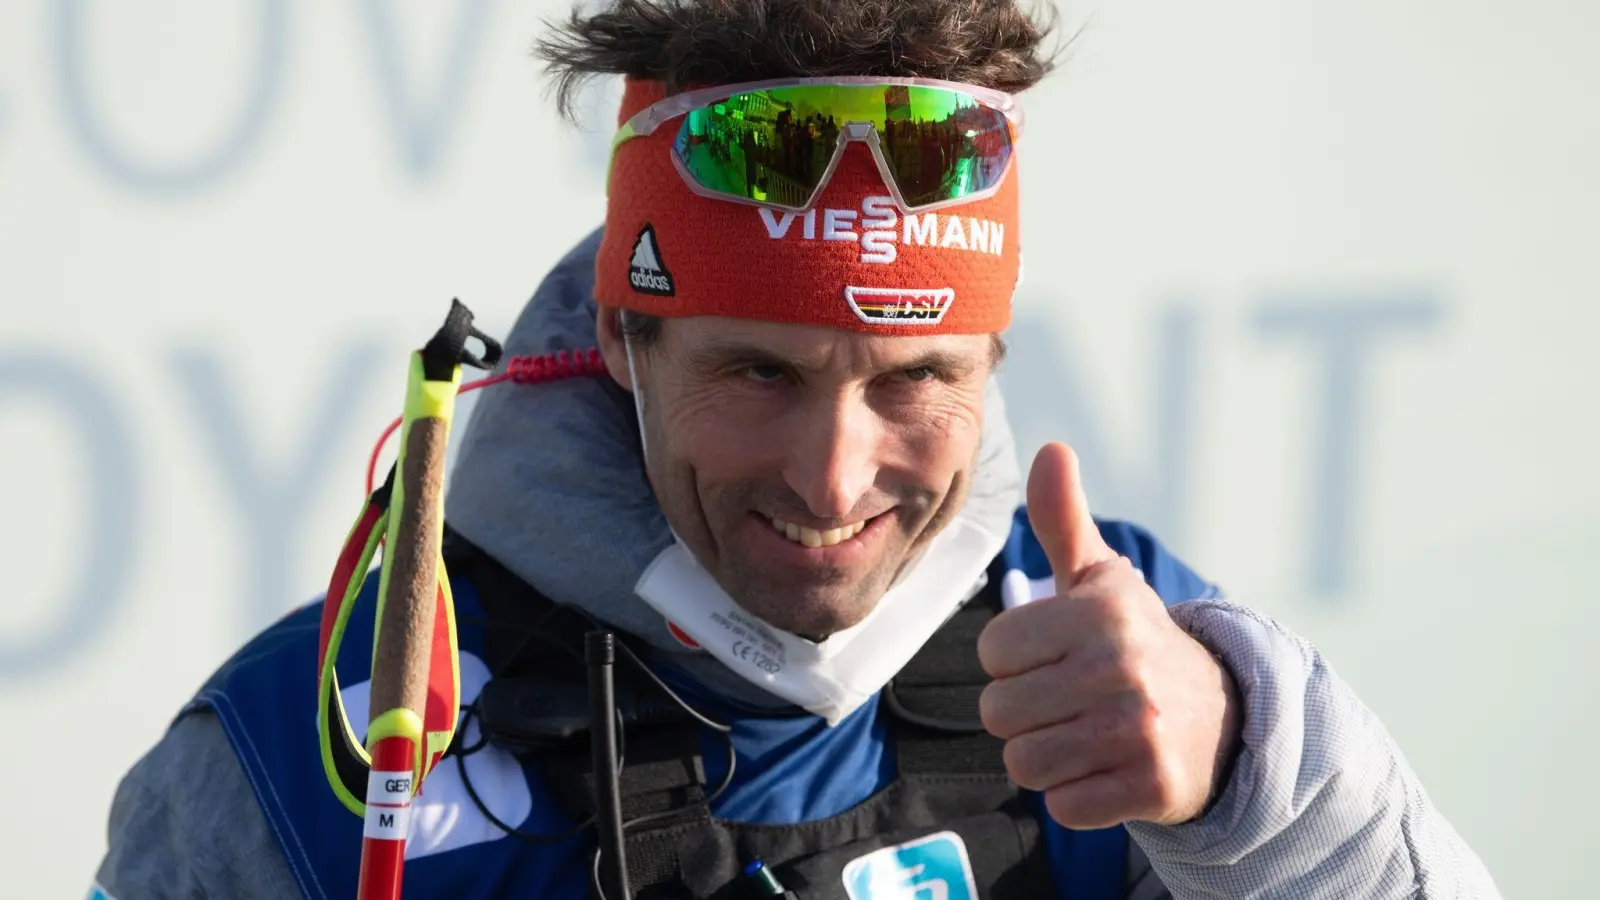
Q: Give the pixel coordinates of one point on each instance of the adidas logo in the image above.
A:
(646, 272)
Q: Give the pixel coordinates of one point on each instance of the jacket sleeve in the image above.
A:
(185, 823)
(1321, 803)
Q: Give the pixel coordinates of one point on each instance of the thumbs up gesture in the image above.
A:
(1106, 706)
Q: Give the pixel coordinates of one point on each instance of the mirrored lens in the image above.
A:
(774, 146)
(758, 146)
(941, 145)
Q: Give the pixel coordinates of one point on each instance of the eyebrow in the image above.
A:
(717, 353)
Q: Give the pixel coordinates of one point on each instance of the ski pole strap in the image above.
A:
(344, 757)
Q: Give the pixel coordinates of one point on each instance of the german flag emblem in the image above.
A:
(900, 306)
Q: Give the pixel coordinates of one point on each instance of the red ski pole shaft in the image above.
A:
(383, 837)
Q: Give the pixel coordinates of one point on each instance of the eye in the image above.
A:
(920, 373)
(763, 374)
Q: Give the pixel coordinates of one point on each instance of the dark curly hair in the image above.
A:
(993, 43)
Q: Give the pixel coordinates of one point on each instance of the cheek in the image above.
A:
(941, 440)
(723, 434)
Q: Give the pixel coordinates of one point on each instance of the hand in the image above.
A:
(1105, 704)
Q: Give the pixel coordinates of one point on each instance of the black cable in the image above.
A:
(727, 779)
(532, 837)
(483, 740)
(466, 782)
(600, 650)
(725, 729)
(594, 876)
(534, 632)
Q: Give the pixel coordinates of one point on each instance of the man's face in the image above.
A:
(805, 466)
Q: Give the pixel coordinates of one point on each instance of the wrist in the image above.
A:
(1230, 744)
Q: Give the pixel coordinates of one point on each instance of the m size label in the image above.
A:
(387, 823)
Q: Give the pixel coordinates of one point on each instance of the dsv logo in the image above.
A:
(896, 306)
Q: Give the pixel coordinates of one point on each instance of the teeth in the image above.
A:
(811, 537)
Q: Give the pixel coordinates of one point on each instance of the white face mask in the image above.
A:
(832, 678)
(835, 677)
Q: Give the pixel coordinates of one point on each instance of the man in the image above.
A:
(862, 672)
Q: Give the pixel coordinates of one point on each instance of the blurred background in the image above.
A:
(1310, 287)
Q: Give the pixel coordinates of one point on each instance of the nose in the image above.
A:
(833, 459)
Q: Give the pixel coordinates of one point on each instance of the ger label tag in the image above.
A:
(388, 805)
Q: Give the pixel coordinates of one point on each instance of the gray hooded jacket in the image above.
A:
(1320, 804)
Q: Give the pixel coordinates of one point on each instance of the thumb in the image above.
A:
(1059, 512)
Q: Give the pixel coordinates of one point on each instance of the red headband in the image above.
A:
(853, 261)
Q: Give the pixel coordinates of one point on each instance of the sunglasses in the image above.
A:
(777, 143)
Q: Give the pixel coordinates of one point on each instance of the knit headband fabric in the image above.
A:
(853, 261)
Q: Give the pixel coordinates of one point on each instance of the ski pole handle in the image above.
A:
(403, 646)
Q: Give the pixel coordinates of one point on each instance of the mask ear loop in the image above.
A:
(638, 391)
(638, 412)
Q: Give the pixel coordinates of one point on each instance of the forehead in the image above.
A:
(710, 338)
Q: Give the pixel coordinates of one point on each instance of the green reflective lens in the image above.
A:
(774, 146)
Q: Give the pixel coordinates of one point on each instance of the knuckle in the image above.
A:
(1107, 572)
(1163, 794)
(1134, 732)
(1152, 787)
(993, 710)
(1084, 806)
(1119, 669)
(1097, 604)
(992, 643)
(1145, 727)
(1026, 762)
(1061, 807)
(1126, 669)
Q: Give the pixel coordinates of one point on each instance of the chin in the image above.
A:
(813, 617)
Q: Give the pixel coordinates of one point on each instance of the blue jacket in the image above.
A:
(790, 769)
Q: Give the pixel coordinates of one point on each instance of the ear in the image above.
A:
(608, 330)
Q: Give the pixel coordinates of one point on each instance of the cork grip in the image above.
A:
(405, 632)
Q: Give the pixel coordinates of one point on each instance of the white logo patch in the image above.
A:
(646, 272)
(932, 868)
(900, 306)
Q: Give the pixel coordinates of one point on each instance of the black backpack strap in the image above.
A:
(934, 700)
(1141, 881)
(537, 706)
(942, 747)
(662, 778)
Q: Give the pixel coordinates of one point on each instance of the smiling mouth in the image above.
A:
(811, 537)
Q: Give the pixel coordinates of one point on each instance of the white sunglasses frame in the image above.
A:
(648, 120)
